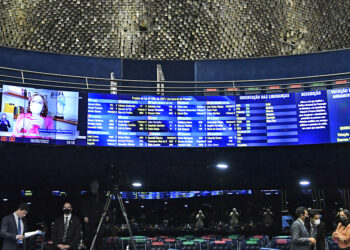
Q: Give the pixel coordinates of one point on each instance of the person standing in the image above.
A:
(93, 204)
(13, 227)
(200, 220)
(66, 230)
(342, 233)
(317, 229)
(268, 218)
(300, 236)
(234, 218)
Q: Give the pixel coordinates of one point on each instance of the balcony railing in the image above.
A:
(11, 76)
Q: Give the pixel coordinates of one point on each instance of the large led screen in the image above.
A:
(33, 115)
(311, 117)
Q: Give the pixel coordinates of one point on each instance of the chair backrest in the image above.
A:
(219, 242)
(281, 241)
(169, 240)
(158, 243)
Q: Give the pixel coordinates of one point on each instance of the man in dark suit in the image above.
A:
(92, 209)
(317, 229)
(13, 227)
(66, 231)
(300, 236)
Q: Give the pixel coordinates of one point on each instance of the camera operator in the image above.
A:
(268, 218)
(200, 220)
(234, 215)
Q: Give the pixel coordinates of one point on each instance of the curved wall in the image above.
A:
(206, 70)
(182, 29)
(163, 169)
(274, 67)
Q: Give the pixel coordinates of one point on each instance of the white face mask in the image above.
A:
(317, 222)
(36, 108)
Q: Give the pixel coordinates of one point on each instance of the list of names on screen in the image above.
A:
(30, 115)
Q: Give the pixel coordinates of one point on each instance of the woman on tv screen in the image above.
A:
(35, 118)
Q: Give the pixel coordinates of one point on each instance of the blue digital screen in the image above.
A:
(264, 120)
(313, 123)
(158, 121)
(46, 116)
(276, 119)
(180, 194)
(339, 114)
(287, 221)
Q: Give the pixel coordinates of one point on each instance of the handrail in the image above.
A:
(169, 87)
(146, 91)
(176, 82)
(135, 86)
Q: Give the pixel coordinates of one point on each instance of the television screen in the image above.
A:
(287, 221)
(39, 115)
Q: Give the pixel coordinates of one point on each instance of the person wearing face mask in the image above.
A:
(301, 239)
(66, 230)
(342, 233)
(317, 229)
(35, 118)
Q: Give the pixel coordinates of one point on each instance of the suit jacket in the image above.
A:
(321, 235)
(92, 206)
(9, 232)
(300, 236)
(73, 233)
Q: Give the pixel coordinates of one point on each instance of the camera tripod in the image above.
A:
(113, 193)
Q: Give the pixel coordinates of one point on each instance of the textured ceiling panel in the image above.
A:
(176, 29)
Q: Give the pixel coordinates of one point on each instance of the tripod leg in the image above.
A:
(122, 207)
(108, 202)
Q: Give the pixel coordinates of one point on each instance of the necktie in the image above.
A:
(19, 230)
(66, 223)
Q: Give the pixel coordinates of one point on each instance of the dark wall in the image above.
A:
(59, 63)
(274, 67)
(147, 70)
(207, 70)
(172, 71)
(50, 167)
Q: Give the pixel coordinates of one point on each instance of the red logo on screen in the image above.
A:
(3, 138)
(12, 139)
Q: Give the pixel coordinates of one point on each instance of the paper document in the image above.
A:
(29, 234)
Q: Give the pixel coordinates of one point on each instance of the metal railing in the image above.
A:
(11, 76)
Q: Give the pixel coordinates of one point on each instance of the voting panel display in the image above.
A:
(31, 115)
